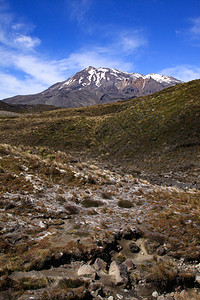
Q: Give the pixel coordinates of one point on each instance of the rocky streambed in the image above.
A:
(72, 230)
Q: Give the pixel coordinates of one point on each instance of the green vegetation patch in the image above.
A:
(33, 283)
(125, 204)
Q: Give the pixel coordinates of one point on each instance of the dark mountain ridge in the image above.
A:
(24, 108)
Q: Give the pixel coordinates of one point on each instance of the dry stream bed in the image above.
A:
(73, 230)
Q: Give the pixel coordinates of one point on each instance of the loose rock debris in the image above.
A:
(65, 236)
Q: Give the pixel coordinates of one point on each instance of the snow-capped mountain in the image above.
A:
(96, 86)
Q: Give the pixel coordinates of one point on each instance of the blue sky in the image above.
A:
(46, 41)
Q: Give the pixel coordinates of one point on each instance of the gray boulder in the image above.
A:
(119, 273)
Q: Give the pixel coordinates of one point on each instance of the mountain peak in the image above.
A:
(96, 86)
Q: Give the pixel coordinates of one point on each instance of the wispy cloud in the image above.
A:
(95, 57)
(44, 71)
(131, 40)
(183, 72)
(195, 29)
(125, 40)
(79, 9)
(192, 33)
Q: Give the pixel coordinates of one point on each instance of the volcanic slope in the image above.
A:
(97, 86)
(156, 137)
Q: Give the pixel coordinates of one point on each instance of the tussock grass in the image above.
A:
(163, 275)
(89, 202)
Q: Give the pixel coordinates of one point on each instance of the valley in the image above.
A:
(102, 202)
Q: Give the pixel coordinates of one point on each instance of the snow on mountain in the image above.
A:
(162, 78)
(99, 76)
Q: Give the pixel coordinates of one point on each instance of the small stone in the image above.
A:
(14, 237)
(129, 264)
(184, 294)
(155, 294)
(197, 279)
(162, 250)
(161, 298)
(94, 286)
(110, 298)
(96, 289)
(87, 271)
(134, 247)
(119, 248)
(119, 296)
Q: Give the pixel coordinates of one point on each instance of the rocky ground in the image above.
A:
(73, 230)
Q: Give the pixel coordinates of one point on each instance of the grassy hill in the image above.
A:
(153, 136)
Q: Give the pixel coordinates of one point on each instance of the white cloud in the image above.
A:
(26, 41)
(183, 72)
(44, 71)
(12, 86)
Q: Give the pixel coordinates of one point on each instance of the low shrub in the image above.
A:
(67, 283)
(89, 202)
(106, 195)
(125, 204)
(31, 283)
(163, 275)
(121, 258)
(186, 279)
(71, 209)
(60, 199)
